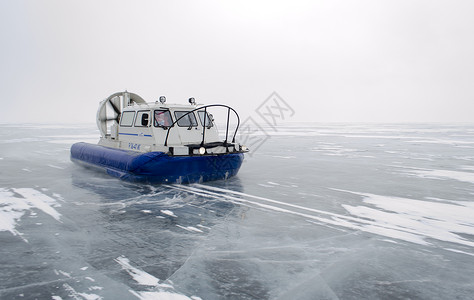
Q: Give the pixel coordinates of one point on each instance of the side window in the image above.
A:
(142, 118)
(187, 121)
(208, 119)
(127, 118)
(163, 118)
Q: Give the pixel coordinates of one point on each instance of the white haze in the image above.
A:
(336, 61)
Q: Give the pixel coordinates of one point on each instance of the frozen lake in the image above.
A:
(318, 211)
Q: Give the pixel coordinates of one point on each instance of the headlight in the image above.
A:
(202, 150)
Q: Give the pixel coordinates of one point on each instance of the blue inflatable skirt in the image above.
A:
(157, 167)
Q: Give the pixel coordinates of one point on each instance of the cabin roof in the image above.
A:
(151, 105)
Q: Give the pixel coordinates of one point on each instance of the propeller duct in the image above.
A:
(110, 110)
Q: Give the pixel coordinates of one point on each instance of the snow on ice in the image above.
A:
(319, 211)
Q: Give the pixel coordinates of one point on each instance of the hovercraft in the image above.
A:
(161, 143)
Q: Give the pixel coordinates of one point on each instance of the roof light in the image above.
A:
(192, 101)
(162, 99)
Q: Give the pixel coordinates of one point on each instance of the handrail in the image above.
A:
(204, 125)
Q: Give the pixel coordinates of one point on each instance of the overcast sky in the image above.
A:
(331, 61)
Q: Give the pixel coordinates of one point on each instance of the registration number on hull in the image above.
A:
(134, 146)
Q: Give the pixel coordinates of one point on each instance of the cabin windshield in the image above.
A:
(208, 119)
(163, 118)
(187, 121)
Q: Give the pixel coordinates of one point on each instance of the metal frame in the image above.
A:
(204, 127)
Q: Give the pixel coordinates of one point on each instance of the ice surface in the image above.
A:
(319, 211)
(15, 202)
(445, 174)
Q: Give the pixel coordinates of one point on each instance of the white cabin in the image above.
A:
(127, 122)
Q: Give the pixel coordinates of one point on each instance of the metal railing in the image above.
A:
(204, 123)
